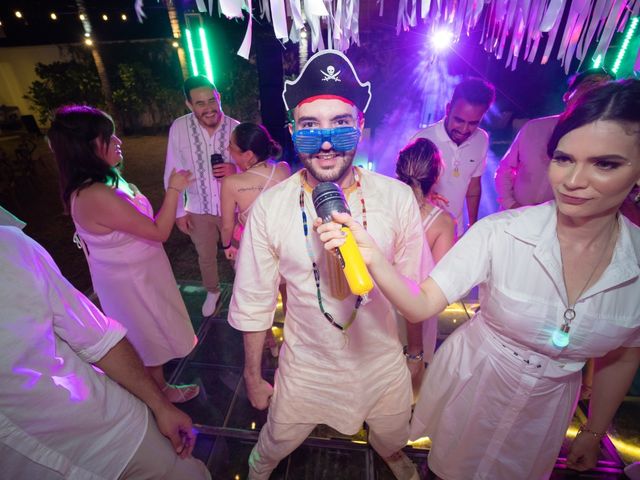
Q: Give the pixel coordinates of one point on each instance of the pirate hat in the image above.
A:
(327, 73)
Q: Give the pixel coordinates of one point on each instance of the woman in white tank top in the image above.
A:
(419, 165)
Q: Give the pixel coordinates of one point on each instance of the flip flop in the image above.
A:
(180, 393)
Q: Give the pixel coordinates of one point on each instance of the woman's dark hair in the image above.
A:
(72, 137)
(614, 101)
(250, 136)
(419, 164)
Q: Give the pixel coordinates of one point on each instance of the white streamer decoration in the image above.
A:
(245, 48)
(511, 29)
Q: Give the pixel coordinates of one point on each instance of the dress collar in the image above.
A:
(537, 226)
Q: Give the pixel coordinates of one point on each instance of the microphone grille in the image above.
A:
(328, 197)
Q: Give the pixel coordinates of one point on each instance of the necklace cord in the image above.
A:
(316, 271)
(570, 313)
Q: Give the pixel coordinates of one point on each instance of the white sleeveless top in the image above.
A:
(429, 219)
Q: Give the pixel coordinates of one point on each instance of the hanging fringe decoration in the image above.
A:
(511, 28)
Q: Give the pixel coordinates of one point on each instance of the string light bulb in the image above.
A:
(88, 42)
(53, 16)
(82, 17)
(105, 17)
(18, 14)
(123, 17)
(175, 44)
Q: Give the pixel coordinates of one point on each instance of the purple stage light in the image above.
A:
(441, 39)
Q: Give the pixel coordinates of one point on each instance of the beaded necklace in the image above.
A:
(316, 271)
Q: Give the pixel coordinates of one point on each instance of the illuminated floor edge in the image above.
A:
(229, 426)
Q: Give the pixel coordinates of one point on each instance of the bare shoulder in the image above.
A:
(94, 195)
(444, 222)
(230, 181)
(283, 170)
(96, 203)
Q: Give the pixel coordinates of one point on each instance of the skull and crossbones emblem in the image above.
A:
(331, 74)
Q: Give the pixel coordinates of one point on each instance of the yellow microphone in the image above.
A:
(327, 198)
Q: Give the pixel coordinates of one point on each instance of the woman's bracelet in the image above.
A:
(584, 429)
(173, 188)
(224, 247)
(419, 357)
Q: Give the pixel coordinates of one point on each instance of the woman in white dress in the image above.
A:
(122, 240)
(419, 165)
(254, 152)
(559, 284)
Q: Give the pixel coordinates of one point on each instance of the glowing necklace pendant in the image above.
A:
(560, 337)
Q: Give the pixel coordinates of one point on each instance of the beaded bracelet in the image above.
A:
(584, 429)
(413, 358)
(224, 247)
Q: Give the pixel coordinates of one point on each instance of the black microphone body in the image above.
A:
(216, 159)
(327, 198)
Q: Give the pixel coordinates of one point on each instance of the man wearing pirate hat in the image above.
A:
(341, 363)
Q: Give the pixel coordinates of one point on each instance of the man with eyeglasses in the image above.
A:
(198, 142)
(341, 363)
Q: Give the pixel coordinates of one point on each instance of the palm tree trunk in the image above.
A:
(97, 58)
(177, 35)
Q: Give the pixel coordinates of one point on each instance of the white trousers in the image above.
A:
(387, 435)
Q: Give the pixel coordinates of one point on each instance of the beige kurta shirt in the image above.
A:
(325, 376)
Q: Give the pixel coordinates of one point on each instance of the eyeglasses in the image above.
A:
(342, 139)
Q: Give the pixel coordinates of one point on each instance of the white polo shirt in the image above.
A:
(461, 163)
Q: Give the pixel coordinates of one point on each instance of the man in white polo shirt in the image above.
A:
(463, 146)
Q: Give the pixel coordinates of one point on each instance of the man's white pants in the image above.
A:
(387, 435)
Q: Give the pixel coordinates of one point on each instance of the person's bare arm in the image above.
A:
(474, 191)
(611, 381)
(441, 236)
(228, 208)
(105, 207)
(505, 175)
(123, 365)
